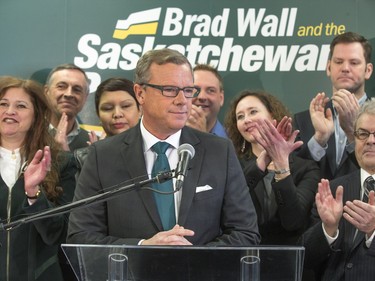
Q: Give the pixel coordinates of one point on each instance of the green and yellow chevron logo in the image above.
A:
(139, 23)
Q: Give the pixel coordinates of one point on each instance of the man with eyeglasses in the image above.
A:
(212, 208)
(340, 246)
(327, 127)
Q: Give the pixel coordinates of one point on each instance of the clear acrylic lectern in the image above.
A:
(151, 263)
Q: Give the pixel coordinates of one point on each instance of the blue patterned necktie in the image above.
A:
(369, 185)
(165, 203)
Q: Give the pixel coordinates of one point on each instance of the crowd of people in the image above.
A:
(263, 177)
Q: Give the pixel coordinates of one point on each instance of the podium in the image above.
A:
(181, 263)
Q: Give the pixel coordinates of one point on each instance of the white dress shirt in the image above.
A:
(368, 241)
(150, 156)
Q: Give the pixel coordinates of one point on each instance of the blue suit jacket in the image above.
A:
(224, 215)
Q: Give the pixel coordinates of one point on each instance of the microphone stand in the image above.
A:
(160, 178)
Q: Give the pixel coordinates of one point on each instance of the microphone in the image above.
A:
(185, 153)
(88, 201)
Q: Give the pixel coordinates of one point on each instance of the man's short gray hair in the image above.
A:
(367, 108)
(160, 57)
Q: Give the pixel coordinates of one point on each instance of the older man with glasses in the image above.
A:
(340, 245)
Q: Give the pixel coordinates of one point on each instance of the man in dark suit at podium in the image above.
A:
(340, 245)
(212, 208)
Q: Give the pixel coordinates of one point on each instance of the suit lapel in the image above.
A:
(358, 239)
(258, 190)
(331, 150)
(356, 195)
(351, 192)
(191, 180)
(136, 166)
(331, 154)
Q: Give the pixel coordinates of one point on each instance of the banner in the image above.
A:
(279, 46)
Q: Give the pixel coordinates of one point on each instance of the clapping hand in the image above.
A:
(61, 132)
(197, 119)
(321, 119)
(361, 214)
(278, 141)
(329, 208)
(37, 170)
(347, 106)
(94, 137)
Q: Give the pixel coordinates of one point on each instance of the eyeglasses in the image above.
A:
(363, 134)
(172, 91)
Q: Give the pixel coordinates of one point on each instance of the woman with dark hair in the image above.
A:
(35, 175)
(116, 105)
(282, 186)
(117, 109)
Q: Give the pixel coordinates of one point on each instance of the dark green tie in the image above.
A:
(165, 203)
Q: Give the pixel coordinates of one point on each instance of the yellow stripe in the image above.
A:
(88, 127)
(137, 29)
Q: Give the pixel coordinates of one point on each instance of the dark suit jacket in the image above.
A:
(30, 250)
(344, 259)
(294, 195)
(328, 166)
(80, 140)
(224, 215)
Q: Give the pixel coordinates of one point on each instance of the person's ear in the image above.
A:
(139, 93)
(368, 71)
(328, 68)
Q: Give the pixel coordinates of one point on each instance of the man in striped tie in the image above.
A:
(340, 246)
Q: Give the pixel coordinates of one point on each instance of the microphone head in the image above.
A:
(186, 147)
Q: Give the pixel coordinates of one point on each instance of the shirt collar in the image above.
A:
(363, 99)
(219, 130)
(149, 139)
